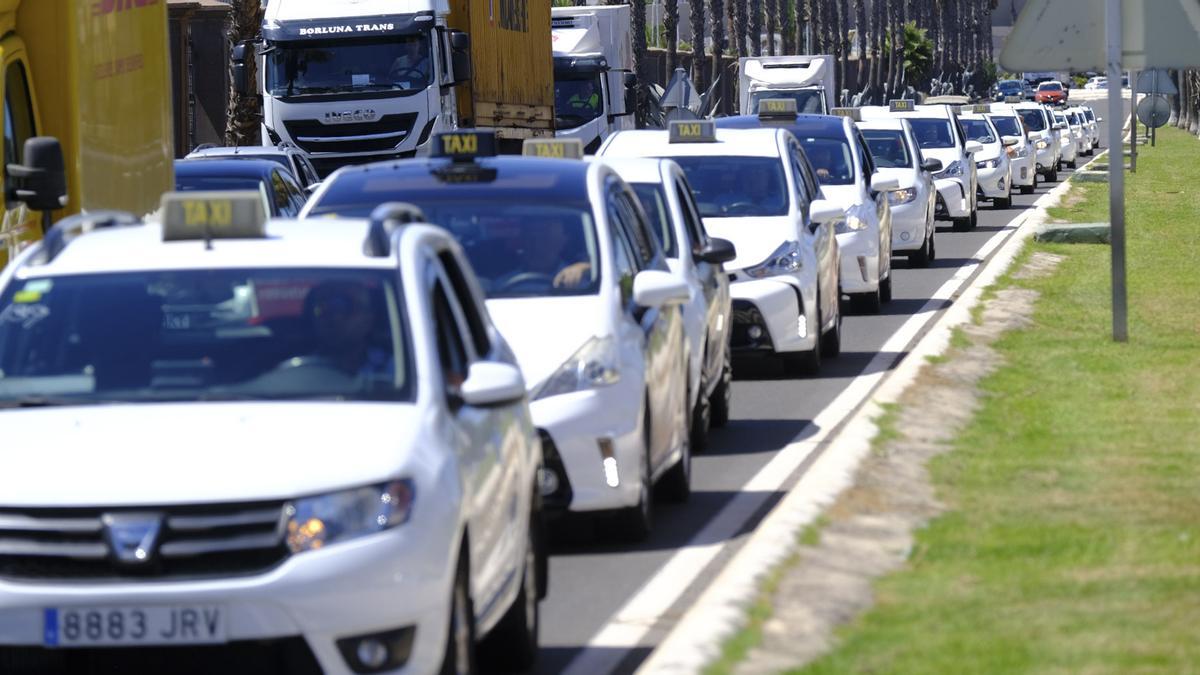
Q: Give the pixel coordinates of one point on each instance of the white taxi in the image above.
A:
(699, 260)
(1021, 154)
(992, 164)
(1068, 138)
(754, 188)
(896, 155)
(581, 289)
(290, 442)
(1039, 124)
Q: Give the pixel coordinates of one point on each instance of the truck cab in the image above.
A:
(357, 82)
(806, 79)
(593, 72)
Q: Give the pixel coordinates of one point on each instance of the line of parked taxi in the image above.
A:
(342, 435)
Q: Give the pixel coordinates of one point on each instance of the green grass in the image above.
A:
(1085, 203)
(1072, 539)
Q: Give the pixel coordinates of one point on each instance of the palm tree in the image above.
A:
(699, 71)
(671, 27)
(241, 112)
(740, 26)
(756, 17)
(716, 9)
(772, 11)
(638, 26)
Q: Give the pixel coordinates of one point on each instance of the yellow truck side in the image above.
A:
(512, 71)
(95, 74)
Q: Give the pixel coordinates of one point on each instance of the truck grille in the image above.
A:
(382, 135)
(193, 541)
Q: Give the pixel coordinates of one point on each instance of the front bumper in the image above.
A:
(782, 309)
(859, 270)
(993, 183)
(348, 589)
(953, 201)
(1024, 172)
(588, 428)
(909, 222)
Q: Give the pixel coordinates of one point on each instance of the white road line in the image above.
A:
(630, 624)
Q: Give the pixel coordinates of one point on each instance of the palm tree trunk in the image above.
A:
(242, 118)
(840, 32)
(716, 10)
(671, 27)
(699, 70)
(772, 11)
(638, 26)
(741, 19)
(756, 17)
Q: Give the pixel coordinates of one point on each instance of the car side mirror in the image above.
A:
(240, 68)
(881, 183)
(717, 251)
(41, 182)
(932, 165)
(460, 56)
(973, 147)
(821, 211)
(656, 288)
(490, 383)
(630, 80)
(1010, 141)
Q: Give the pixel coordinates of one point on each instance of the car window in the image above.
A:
(452, 351)
(887, 148)
(653, 198)
(1007, 126)
(466, 300)
(691, 215)
(1033, 118)
(800, 173)
(622, 253)
(643, 244)
(281, 197)
(864, 157)
(18, 113)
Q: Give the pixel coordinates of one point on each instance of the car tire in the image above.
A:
(922, 256)
(975, 217)
(961, 224)
(636, 522)
(676, 483)
(1002, 203)
(1073, 163)
(718, 415)
(831, 340)
(1028, 189)
(459, 657)
(513, 643)
(867, 303)
(1052, 176)
(701, 418)
(885, 288)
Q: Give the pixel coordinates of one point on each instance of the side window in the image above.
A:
(281, 195)
(691, 216)
(18, 113)
(802, 191)
(865, 152)
(635, 225)
(452, 353)
(466, 300)
(622, 253)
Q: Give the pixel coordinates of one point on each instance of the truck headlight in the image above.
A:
(988, 164)
(851, 224)
(955, 170)
(316, 522)
(902, 196)
(785, 260)
(592, 365)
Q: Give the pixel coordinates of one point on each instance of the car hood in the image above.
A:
(188, 453)
(754, 238)
(945, 155)
(907, 177)
(544, 332)
(845, 196)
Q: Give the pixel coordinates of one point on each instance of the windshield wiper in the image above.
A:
(37, 402)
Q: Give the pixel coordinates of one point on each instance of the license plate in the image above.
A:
(127, 626)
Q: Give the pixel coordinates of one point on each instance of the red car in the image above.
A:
(1050, 92)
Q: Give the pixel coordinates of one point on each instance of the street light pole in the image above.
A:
(1116, 171)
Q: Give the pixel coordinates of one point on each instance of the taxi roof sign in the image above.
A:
(902, 105)
(693, 131)
(777, 107)
(976, 109)
(1014, 99)
(239, 214)
(553, 148)
(853, 113)
(464, 146)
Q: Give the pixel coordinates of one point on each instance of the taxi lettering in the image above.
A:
(460, 144)
(214, 213)
(690, 130)
(774, 105)
(550, 150)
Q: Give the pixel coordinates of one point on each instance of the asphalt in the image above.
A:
(592, 578)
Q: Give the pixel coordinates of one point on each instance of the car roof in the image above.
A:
(821, 126)
(227, 167)
(894, 123)
(238, 150)
(761, 142)
(639, 169)
(288, 244)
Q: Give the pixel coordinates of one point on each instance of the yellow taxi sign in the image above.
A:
(240, 214)
(902, 105)
(777, 107)
(977, 109)
(553, 148)
(1014, 99)
(464, 145)
(693, 131)
(853, 113)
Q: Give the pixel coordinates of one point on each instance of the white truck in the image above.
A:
(350, 82)
(807, 79)
(593, 72)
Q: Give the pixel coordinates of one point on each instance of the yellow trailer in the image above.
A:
(95, 74)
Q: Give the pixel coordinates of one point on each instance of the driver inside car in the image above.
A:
(548, 253)
(412, 66)
(341, 318)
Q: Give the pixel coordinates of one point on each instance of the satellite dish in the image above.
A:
(1154, 111)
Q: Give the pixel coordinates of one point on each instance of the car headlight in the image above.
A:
(592, 365)
(1018, 151)
(902, 196)
(988, 163)
(1042, 144)
(851, 224)
(316, 522)
(785, 260)
(953, 171)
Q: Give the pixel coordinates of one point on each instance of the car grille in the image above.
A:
(346, 138)
(193, 542)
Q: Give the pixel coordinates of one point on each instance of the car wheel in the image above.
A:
(961, 224)
(1002, 203)
(932, 245)
(1052, 176)
(1072, 163)
(723, 394)
(885, 288)
(1028, 189)
(636, 521)
(867, 303)
(701, 417)
(513, 643)
(676, 484)
(975, 217)
(831, 341)
(922, 256)
(459, 658)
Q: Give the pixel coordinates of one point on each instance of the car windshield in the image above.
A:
(1007, 126)
(978, 130)
(808, 101)
(1050, 86)
(932, 133)
(1074, 117)
(831, 160)
(887, 148)
(732, 187)
(1089, 114)
(654, 202)
(188, 335)
(1033, 119)
(576, 99)
(1009, 85)
(382, 64)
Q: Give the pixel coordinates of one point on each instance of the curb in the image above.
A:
(699, 635)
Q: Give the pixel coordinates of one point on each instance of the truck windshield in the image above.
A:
(932, 133)
(1033, 119)
(576, 99)
(731, 187)
(216, 334)
(346, 66)
(808, 101)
